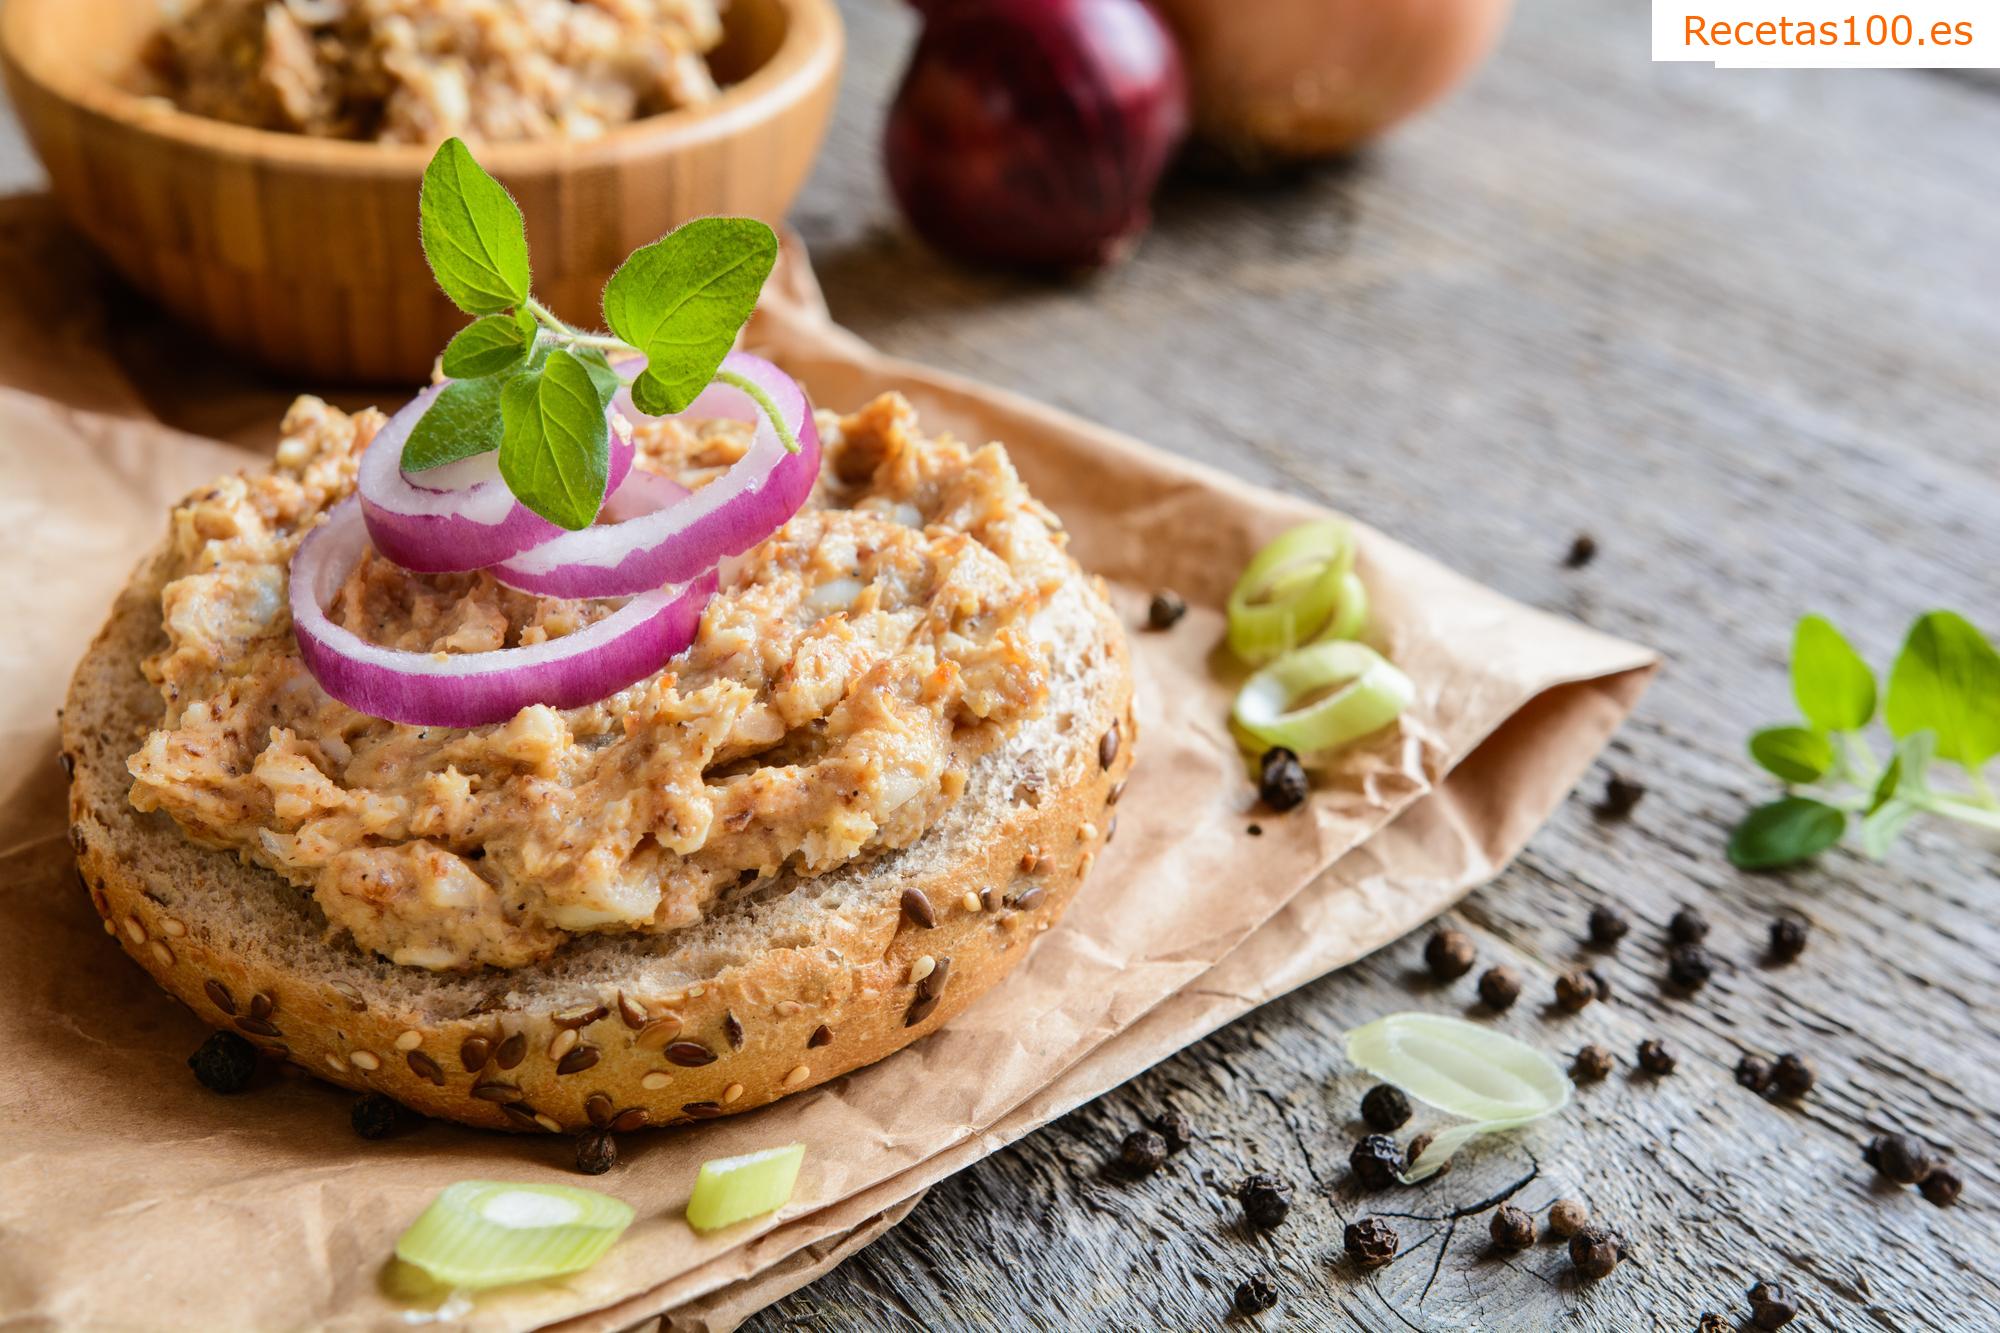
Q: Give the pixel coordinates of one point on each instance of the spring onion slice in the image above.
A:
(1483, 1076)
(488, 1233)
(1294, 591)
(1321, 696)
(730, 1189)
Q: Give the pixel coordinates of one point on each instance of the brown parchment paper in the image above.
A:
(129, 1197)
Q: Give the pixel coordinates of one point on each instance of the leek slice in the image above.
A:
(1298, 589)
(730, 1189)
(1461, 1068)
(1350, 690)
(489, 1233)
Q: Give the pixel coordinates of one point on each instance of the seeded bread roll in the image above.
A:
(799, 981)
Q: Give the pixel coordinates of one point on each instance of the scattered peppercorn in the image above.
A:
(1712, 1322)
(1449, 954)
(1903, 1158)
(1687, 926)
(1385, 1107)
(1416, 1150)
(1596, 1250)
(1143, 1151)
(1591, 1063)
(1371, 1242)
(1567, 1217)
(1773, 1305)
(1166, 609)
(1942, 1186)
(1376, 1162)
(1689, 966)
(376, 1116)
(1793, 1076)
(596, 1152)
(1175, 1128)
(1621, 796)
(1608, 925)
(1266, 1199)
(1788, 938)
(224, 1063)
(1656, 1057)
(1576, 988)
(1754, 1073)
(1255, 1294)
(1499, 987)
(1582, 550)
(1282, 780)
(1512, 1228)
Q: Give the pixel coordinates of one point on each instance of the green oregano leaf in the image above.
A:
(682, 300)
(1785, 832)
(1947, 680)
(1835, 689)
(472, 232)
(1793, 754)
(463, 420)
(486, 346)
(555, 451)
(598, 366)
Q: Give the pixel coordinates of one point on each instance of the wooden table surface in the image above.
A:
(1745, 329)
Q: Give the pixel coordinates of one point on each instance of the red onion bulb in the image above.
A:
(1030, 133)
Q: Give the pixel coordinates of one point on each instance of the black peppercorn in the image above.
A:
(1711, 1322)
(376, 1116)
(1416, 1150)
(1143, 1151)
(1512, 1228)
(1903, 1158)
(1282, 780)
(1687, 926)
(1499, 987)
(1175, 1128)
(1567, 1217)
(1793, 1076)
(1591, 1063)
(1582, 550)
(1576, 988)
(596, 1152)
(1621, 795)
(1689, 966)
(224, 1063)
(1166, 609)
(1656, 1057)
(1596, 1250)
(1449, 954)
(1266, 1199)
(1255, 1294)
(1942, 1186)
(1773, 1305)
(1788, 938)
(1371, 1242)
(1385, 1107)
(1607, 926)
(1754, 1073)
(1376, 1162)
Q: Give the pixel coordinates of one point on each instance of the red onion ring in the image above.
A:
(674, 543)
(476, 689)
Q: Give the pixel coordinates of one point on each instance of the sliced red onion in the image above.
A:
(456, 517)
(731, 514)
(475, 689)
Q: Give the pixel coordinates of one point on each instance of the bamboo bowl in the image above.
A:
(302, 253)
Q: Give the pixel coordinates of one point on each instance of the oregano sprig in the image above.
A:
(535, 388)
(1941, 707)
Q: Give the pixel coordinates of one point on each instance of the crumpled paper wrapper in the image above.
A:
(131, 1196)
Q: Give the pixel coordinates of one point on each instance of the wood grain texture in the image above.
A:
(1741, 327)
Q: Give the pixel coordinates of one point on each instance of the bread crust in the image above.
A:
(786, 1020)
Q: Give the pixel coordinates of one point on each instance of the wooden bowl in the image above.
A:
(302, 253)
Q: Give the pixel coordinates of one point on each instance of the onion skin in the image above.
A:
(1311, 79)
(1031, 133)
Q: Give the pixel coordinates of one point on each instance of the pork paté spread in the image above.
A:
(844, 679)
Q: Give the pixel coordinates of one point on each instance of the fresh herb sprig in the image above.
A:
(1942, 708)
(535, 388)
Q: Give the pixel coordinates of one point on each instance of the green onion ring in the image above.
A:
(1367, 694)
(1297, 589)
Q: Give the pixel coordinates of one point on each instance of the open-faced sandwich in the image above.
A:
(603, 738)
